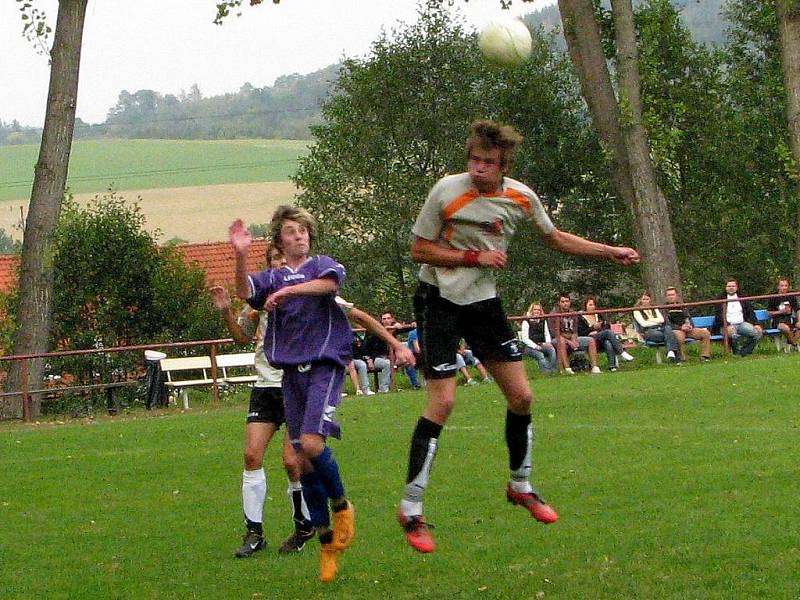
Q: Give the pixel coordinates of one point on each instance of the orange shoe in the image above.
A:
(344, 527)
(418, 534)
(328, 566)
(539, 509)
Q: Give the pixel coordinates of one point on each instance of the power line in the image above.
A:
(176, 171)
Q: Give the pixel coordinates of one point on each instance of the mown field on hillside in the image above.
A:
(186, 187)
(670, 483)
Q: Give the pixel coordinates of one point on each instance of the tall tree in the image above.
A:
(620, 126)
(789, 27)
(36, 273)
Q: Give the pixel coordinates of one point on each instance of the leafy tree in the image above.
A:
(397, 122)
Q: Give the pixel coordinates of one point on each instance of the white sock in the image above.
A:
(410, 509)
(254, 492)
(521, 487)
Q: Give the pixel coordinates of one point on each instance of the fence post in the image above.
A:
(26, 397)
(214, 382)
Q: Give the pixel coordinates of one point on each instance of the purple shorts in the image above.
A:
(311, 394)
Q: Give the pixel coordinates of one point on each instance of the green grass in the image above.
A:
(141, 164)
(670, 482)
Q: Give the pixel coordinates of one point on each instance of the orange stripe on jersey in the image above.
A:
(518, 198)
(459, 203)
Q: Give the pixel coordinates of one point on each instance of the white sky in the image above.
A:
(168, 45)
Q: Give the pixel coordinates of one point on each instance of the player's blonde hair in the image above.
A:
(291, 213)
(486, 134)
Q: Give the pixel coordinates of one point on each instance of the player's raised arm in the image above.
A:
(574, 244)
(241, 240)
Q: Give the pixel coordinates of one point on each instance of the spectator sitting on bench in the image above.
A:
(784, 313)
(653, 327)
(740, 319)
(599, 329)
(567, 338)
(682, 327)
(464, 358)
(374, 357)
(536, 337)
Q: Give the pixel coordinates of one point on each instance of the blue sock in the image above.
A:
(325, 466)
(316, 499)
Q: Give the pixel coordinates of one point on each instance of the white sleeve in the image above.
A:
(525, 336)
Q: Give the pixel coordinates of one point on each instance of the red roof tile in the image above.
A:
(215, 258)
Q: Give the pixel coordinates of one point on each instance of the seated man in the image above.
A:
(567, 338)
(464, 358)
(682, 327)
(783, 312)
(536, 337)
(652, 326)
(374, 357)
(740, 321)
(359, 365)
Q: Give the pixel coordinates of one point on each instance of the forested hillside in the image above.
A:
(286, 109)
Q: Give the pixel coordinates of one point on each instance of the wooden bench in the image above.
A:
(194, 371)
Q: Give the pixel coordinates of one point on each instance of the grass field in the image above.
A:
(670, 483)
(188, 189)
(142, 164)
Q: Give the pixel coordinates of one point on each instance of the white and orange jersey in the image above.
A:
(457, 215)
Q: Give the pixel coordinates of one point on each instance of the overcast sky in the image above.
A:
(167, 45)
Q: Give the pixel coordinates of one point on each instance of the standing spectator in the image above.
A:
(682, 327)
(412, 343)
(536, 337)
(739, 318)
(653, 327)
(567, 338)
(598, 328)
(784, 313)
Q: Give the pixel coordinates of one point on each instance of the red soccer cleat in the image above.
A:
(539, 509)
(418, 534)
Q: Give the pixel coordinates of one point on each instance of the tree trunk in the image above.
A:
(36, 271)
(651, 226)
(652, 211)
(788, 12)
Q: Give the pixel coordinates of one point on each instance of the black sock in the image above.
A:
(326, 538)
(516, 438)
(254, 527)
(424, 431)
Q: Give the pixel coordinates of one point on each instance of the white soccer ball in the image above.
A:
(507, 43)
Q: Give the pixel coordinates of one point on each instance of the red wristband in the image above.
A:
(471, 258)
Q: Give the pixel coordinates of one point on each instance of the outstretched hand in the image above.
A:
(220, 297)
(624, 256)
(240, 237)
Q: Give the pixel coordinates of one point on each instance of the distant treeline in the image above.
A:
(285, 110)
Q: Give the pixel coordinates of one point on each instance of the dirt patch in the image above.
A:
(195, 214)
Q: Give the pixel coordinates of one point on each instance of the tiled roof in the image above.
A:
(9, 272)
(215, 258)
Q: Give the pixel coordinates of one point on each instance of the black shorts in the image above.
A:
(266, 406)
(442, 324)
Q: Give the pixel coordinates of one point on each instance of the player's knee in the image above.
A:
(520, 403)
(253, 459)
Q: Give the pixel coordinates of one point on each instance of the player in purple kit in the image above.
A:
(309, 337)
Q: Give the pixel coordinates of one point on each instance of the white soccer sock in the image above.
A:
(254, 492)
(520, 477)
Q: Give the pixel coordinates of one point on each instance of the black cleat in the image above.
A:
(251, 543)
(296, 541)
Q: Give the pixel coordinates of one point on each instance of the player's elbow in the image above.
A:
(418, 254)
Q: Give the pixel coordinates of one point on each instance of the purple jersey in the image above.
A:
(303, 329)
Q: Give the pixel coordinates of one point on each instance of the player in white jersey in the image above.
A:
(461, 237)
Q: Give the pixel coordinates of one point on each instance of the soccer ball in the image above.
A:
(506, 43)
